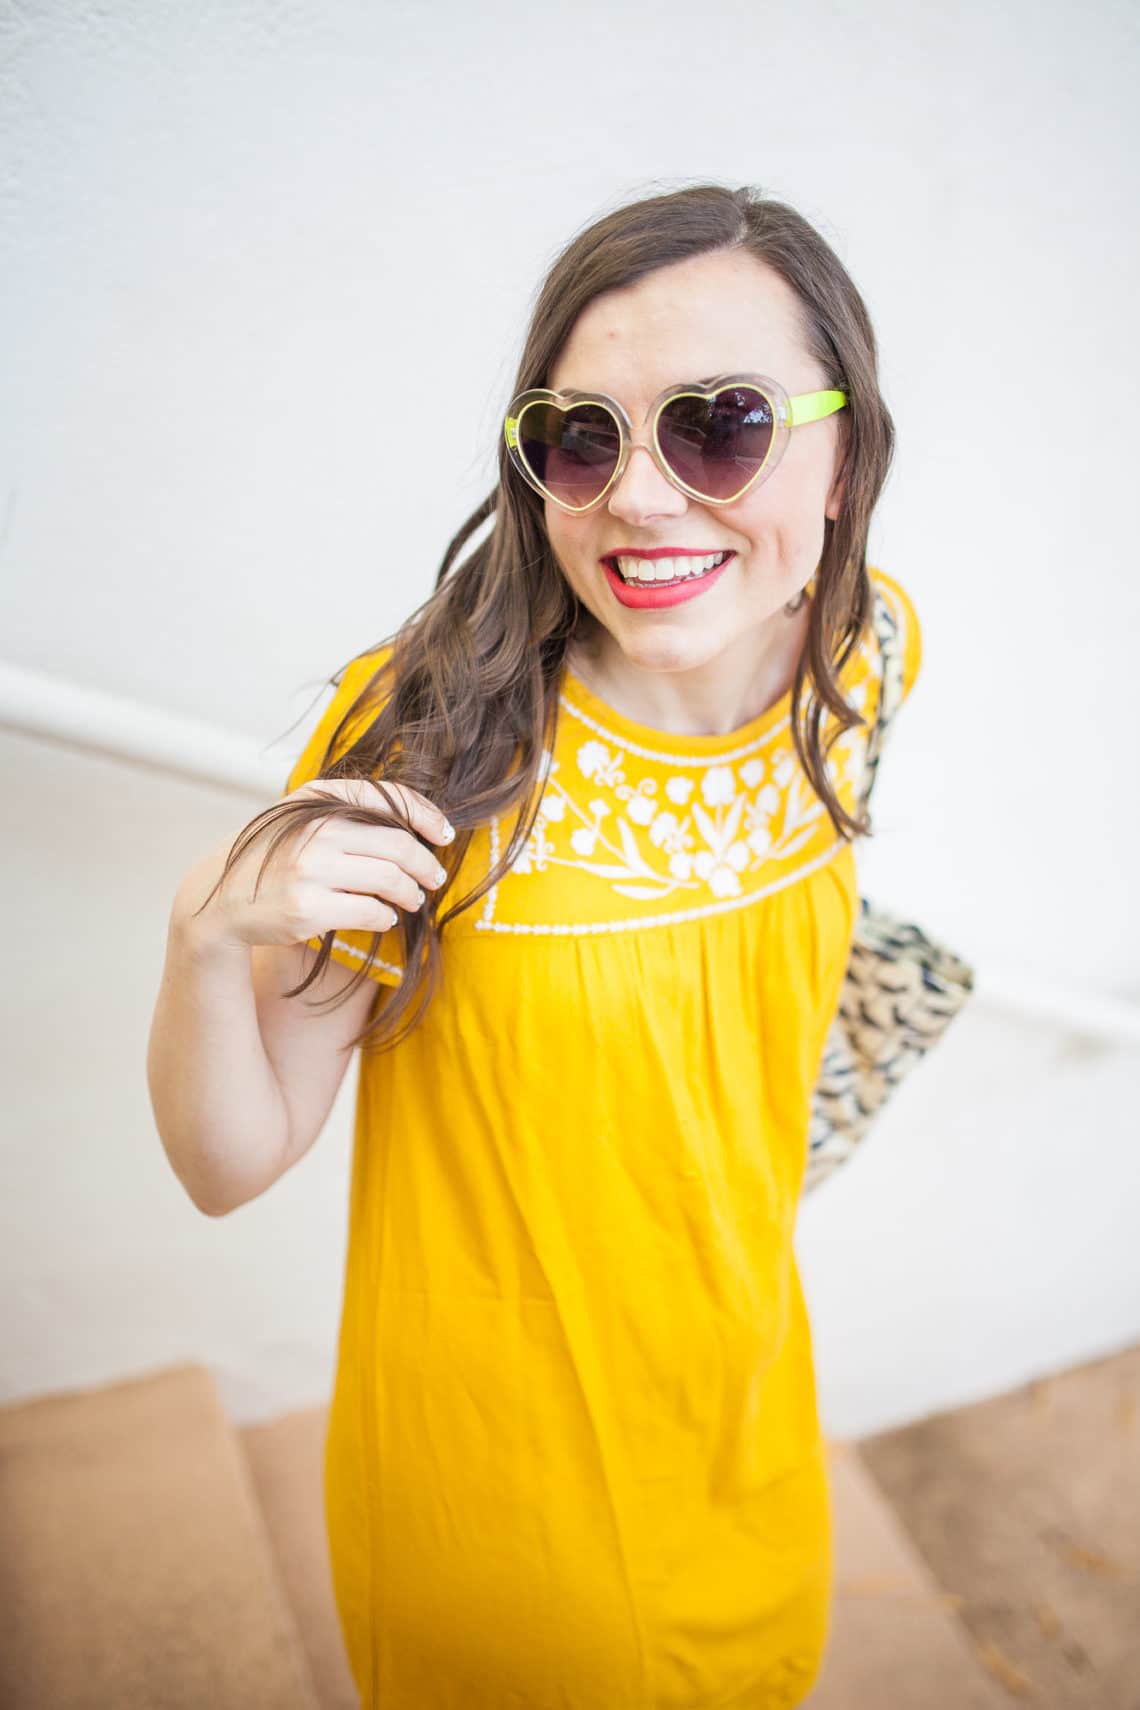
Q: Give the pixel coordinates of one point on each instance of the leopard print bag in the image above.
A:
(901, 990)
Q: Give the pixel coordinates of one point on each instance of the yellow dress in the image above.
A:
(574, 1460)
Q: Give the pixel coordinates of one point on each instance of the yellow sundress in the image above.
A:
(574, 1460)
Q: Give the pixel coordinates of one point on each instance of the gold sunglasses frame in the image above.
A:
(787, 413)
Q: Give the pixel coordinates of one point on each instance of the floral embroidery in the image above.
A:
(622, 825)
(700, 835)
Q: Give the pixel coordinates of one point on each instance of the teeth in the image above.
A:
(667, 569)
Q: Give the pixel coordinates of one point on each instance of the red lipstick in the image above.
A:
(641, 596)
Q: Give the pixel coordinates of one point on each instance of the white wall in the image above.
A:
(237, 244)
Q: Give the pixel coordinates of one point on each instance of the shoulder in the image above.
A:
(902, 610)
(351, 697)
(350, 701)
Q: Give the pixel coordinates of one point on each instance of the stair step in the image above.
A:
(135, 1567)
(896, 1641)
(153, 1553)
(1029, 1504)
(286, 1466)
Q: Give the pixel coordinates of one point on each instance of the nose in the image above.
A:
(643, 490)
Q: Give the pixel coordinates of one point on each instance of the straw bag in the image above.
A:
(901, 991)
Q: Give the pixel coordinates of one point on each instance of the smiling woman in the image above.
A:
(730, 476)
(574, 1456)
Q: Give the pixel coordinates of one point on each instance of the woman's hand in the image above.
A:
(338, 875)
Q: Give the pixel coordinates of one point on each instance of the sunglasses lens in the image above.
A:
(716, 445)
(571, 452)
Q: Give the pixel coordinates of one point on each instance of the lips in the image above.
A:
(645, 596)
(610, 563)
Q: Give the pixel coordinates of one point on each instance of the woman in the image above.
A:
(574, 1458)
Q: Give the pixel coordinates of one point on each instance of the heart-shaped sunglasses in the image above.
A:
(714, 440)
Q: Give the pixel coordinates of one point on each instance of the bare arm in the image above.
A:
(241, 1079)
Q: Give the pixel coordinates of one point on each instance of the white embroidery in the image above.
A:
(725, 825)
(711, 831)
(578, 928)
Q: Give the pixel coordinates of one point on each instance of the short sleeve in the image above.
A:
(909, 628)
(349, 947)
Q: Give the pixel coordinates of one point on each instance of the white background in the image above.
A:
(241, 247)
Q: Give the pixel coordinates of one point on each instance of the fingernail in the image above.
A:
(448, 831)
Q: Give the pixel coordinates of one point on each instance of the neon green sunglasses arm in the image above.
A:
(813, 406)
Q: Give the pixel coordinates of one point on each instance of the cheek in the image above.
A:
(569, 544)
(780, 519)
(555, 532)
(780, 543)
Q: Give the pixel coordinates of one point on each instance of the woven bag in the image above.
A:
(901, 990)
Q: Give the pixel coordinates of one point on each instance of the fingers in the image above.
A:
(349, 912)
(428, 820)
(403, 879)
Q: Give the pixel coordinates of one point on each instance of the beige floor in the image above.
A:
(1027, 1507)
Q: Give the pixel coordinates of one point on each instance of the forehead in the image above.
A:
(713, 314)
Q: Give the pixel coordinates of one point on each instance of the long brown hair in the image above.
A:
(468, 689)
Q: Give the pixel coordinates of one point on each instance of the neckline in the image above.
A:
(671, 742)
(583, 699)
(670, 745)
